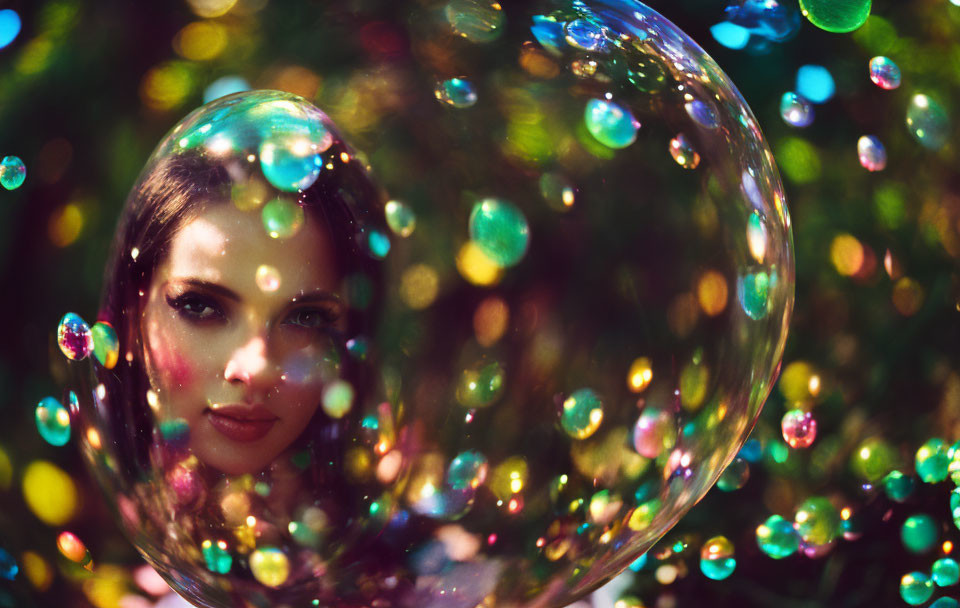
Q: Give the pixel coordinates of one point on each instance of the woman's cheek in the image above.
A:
(173, 365)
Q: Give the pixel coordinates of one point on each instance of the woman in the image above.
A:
(232, 289)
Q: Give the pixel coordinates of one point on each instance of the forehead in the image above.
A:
(228, 246)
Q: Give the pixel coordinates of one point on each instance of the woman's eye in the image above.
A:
(312, 318)
(196, 308)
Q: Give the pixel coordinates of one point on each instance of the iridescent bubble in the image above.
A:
(716, 558)
(467, 470)
(8, 565)
(898, 487)
(796, 111)
(919, 533)
(873, 156)
(703, 114)
(928, 122)
(799, 428)
(613, 125)
(683, 152)
(735, 476)
(582, 413)
(884, 73)
(366, 356)
(916, 588)
(500, 230)
(815, 83)
(873, 459)
(945, 572)
(480, 386)
(817, 521)
(282, 218)
(456, 92)
(654, 432)
(12, 172)
(945, 602)
(106, 346)
(838, 16)
(216, 556)
(401, 218)
(270, 566)
(933, 461)
(777, 537)
(475, 20)
(267, 278)
(585, 35)
(72, 548)
(74, 337)
(53, 421)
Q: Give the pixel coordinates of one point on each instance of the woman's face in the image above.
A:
(242, 357)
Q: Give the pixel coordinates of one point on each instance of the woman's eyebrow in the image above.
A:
(316, 295)
(208, 286)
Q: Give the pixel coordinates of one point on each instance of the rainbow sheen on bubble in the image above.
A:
(456, 92)
(799, 428)
(12, 172)
(796, 111)
(74, 337)
(717, 561)
(683, 152)
(916, 588)
(885, 73)
(872, 153)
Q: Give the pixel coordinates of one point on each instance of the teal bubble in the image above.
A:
(12, 172)
(378, 243)
(480, 386)
(467, 470)
(945, 602)
(919, 533)
(817, 521)
(582, 413)
(885, 73)
(815, 83)
(456, 92)
(945, 571)
(216, 556)
(400, 218)
(916, 588)
(928, 122)
(8, 565)
(897, 486)
(290, 162)
(777, 537)
(500, 230)
(282, 218)
(796, 111)
(753, 291)
(638, 564)
(717, 561)
(53, 421)
(735, 476)
(933, 461)
(612, 125)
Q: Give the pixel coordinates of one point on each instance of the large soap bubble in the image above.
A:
(487, 354)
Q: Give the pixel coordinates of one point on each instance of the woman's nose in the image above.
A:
(247, 362)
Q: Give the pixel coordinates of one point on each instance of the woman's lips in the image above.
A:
(241, 423)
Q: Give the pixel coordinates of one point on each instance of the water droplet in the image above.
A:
(53, 421)
(12, 172)
(582, 413)
(500, 230)
(74, 337)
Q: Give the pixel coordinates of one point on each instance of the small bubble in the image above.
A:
(799, 428)
(716, 558)
(456, 92)
(873, 156)
(884, 73)
(582, 413)
(500, 230)
(53, 421)
(585, 35)
(267, 278)
(74, 337)
(400, 218)
(928, 122)
(796, 111)
(12, 172)
(683, 152)
(703, 114)
(612, 125)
